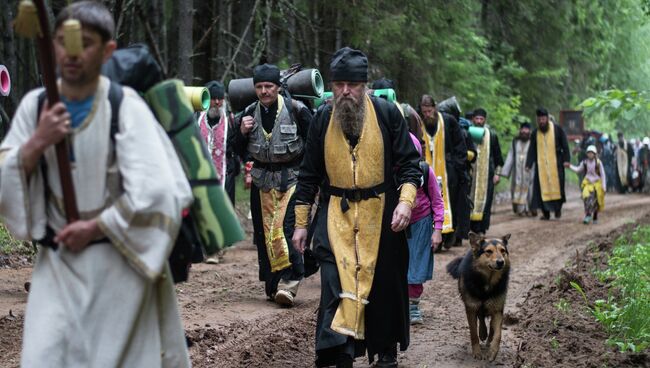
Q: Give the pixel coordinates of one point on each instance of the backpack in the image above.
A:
(187, 248)
(584, 164)
(424, 166)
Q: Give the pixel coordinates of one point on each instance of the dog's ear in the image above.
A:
(505, 239)
(475, 241)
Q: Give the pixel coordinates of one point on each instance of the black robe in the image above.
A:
(496, 160)
(458, 177)
(463, 201)
(563, 154)
(387, 314)
(302, 117)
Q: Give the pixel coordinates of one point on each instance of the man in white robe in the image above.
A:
(515, 168)
(104, 297)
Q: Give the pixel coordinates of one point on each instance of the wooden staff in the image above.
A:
(32, 22)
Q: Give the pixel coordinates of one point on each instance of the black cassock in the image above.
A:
(386, 315)
(562, 154)
(496, 160)
(463, 207)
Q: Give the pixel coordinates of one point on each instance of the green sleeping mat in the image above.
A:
(216, 220)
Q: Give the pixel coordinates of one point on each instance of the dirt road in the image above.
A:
(232, 324)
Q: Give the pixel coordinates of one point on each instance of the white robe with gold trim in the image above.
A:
(113, 304)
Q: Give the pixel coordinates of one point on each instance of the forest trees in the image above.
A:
(507, 56)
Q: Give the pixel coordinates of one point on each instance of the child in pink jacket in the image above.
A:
(424, 235)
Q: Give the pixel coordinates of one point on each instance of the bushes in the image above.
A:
(9, 245)
(626, 312)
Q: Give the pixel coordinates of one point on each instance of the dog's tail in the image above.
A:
(453, 267)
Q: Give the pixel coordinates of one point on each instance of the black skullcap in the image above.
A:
(216, 89)
(469, 115)
(480, 112)
(383, 83)
(541, 111)
(349, 65)
(266, 73)
(525, 125)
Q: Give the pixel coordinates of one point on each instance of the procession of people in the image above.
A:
(365, 189)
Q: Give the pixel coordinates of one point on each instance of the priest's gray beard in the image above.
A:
(350, 114)
(214, 112)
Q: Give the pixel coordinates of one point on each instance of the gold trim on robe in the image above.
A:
(354, 235)
(622, 163)
(481, 177)
(434, 148)
(274, 207)
(549, 179)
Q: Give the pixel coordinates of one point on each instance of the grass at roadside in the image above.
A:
(242, 195)
(625, 314)
(9, 245)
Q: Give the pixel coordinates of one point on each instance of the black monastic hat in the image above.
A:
(266, 73)
(216, 89)
(349, 65)
(541, 111)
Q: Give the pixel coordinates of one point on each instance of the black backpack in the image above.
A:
(424, 166)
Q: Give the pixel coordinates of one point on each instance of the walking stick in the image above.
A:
(32, 22)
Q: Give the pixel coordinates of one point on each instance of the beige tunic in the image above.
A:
(113, 304)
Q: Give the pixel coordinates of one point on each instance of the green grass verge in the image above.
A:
(626, 313)
(242, 195)
(9, 245)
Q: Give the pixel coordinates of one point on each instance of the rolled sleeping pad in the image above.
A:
(387, 93)
(326, 96)
(199, 97)
(307, 83)
(477, 133)
(241, 93)
(216, 221)
(5, 81)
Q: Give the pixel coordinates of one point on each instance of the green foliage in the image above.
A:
(508, 57)
(626, 312)
(569, 50)
(563, 305)
(615, 109)
(9, 245)
(554, 343)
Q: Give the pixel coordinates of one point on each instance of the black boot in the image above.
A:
(344, 361)
(558, 214)
(388, 358)
(449, 241)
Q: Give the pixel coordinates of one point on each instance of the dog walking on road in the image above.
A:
(483, 283)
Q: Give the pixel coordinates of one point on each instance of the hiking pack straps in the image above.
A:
(115, 96)
(424, 166)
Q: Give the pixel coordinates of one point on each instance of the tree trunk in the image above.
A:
(185, 40)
